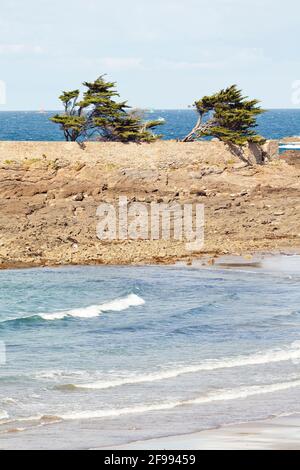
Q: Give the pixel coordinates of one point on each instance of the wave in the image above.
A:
(291, 352)
(8, 401)
(245, 392)
(117, 305)
(13, 430)
(58, 374)
(3, 415)
(30, 422)
(219, 395)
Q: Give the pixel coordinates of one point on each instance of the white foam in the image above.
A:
(117, 305)
(8, 401)
(291, 352)
(58, 374)
(244, 392)
(3, 415)
(115, 412)
(219, 395)
(88, 312)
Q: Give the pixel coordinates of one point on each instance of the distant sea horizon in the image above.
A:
(275, 123)
(188, 108)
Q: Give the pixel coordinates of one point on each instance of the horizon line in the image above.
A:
(189, 108)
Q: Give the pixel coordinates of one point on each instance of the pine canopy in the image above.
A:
(99, 116)
(227, 115)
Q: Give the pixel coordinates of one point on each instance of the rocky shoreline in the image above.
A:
(50, 191)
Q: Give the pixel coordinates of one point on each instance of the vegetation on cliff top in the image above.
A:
(98, 116)
(228, 116)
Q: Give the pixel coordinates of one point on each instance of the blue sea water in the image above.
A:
(31, 125)
(100, 356)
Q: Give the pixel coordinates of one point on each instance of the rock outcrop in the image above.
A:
(50, 191)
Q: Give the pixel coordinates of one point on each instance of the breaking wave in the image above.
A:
(3, 415)
(291, 352)
(218, 395)
(117, 305)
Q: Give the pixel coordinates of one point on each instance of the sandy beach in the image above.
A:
(281, 433)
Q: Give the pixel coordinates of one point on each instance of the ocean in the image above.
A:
(104, 355)
(33, 125)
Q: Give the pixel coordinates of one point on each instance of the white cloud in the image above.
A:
(251, 55)
(13, 49)
(186, 65)
(136, 63)
(120, 63)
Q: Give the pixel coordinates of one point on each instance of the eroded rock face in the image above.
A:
(49, 194)
(292, 157)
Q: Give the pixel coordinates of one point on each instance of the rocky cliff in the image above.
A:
(49, 193)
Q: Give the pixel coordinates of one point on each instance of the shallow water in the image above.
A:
(98, 356)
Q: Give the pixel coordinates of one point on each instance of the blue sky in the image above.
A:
(162, 53)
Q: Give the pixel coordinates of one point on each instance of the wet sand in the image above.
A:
(282, 433)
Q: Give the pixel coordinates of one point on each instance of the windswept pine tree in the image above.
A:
(228, 116)
(99, 116)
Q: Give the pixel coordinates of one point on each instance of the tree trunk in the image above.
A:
(190, 137)
(199, 127)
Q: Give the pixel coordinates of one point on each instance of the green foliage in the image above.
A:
(97, 115)
(229, 116)
(72, 126)
(128, 127)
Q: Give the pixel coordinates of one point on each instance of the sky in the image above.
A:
(162, 53)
